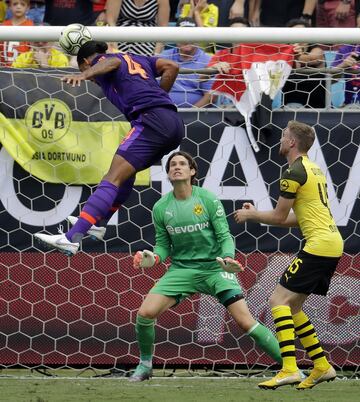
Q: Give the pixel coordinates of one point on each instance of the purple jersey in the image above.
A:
(133, 86)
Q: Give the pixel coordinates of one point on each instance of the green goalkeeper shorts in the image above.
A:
(181, 283)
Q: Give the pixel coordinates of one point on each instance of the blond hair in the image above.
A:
(304, 134)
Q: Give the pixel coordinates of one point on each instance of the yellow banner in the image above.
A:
(52, 147)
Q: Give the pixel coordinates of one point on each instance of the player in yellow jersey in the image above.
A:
(303, 189)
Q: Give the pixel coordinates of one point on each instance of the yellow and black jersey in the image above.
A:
(305, 182)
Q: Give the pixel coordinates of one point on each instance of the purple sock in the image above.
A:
(97, 205)
(122, 195)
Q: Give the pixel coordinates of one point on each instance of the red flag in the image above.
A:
(254, 69)
(241, 58)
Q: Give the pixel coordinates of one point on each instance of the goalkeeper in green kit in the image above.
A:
(191, 228)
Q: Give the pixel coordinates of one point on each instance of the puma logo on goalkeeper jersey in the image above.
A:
(187, 229)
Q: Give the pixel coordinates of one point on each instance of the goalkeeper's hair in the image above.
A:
(189, 158)
(304, 134)
(90, 48)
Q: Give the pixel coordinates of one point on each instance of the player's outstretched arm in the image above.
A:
(168, 70)
(145, 259)
(280, 216)
(100, 68)
(291, 221)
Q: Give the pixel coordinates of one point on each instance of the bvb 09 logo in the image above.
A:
(284, 185)
(198, 209)
(48, 120)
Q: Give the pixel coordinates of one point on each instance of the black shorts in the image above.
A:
(309, 274)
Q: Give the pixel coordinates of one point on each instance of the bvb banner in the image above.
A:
(57, 133)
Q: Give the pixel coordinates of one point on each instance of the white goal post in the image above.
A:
(175, 34)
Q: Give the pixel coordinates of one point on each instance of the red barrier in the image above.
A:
(81, 311)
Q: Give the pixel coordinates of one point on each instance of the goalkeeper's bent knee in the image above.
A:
(228, 297)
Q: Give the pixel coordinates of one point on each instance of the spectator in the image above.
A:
(42, 55)
(140, 13)
(348, 56)
(230, 9)
(336, 14)
(240, 68)
(277, 13)
(189, 90)
(99, 9)
(204, 14)
(10, 50)
(37, 11)
(299, 89)
(228, 62)
(2, 11)
(237, 9)
(306, 55)
(65, 12)
(227, 9)
(34, 13)
(174, 10)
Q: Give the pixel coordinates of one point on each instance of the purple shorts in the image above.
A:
(155, 133)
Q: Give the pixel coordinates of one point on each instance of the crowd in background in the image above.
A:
(192, 90)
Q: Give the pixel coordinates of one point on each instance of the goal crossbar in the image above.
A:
(178, 35)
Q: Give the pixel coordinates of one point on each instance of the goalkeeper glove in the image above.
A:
(229, 265)
(145, 259)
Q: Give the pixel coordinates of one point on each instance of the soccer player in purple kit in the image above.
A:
(129, 82)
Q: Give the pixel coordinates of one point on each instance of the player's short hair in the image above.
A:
(90, 48)
(304, 134)
(189, 158)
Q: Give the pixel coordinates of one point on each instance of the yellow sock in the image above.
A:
(308, 338)
(286, 336)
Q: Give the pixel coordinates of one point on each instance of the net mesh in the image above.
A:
(80, 312)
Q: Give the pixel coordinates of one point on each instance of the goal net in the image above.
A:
(56, 144)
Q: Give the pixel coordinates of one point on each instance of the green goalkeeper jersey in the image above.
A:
(193, 231)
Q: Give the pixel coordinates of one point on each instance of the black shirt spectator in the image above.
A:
(65, 12)
(224, 10)
(307, 90)
(278, 13)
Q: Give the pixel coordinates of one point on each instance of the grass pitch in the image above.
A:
(28, 389)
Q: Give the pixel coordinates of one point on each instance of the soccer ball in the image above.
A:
(73, 37)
